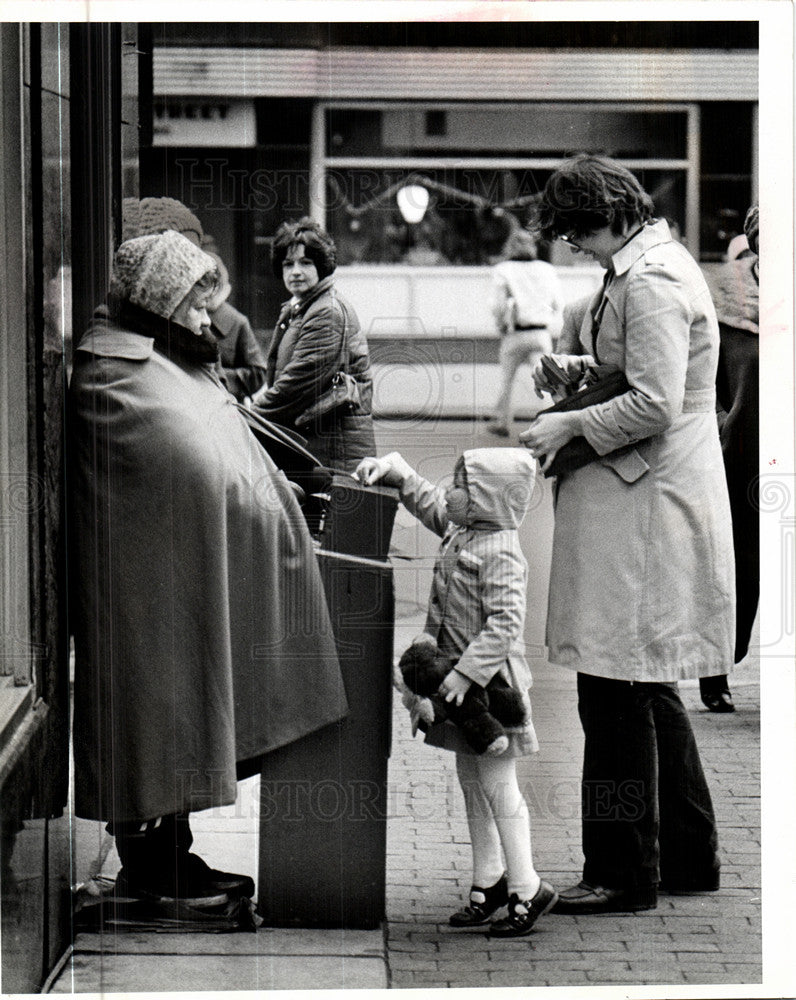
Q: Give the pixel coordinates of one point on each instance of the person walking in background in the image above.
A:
(737, 299)
(475, 620)
(642, 580)
(526, 305)
(316, 337)
(202, 635)
(242, 365)
(571, 323)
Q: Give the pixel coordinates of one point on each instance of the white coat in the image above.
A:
(642, 581)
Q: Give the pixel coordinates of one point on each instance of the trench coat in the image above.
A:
(305, 353)
(642, 580)
(201, 629)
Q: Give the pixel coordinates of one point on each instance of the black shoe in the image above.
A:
(715, 693)
(524, 914)
(690, 887)
(483, 903)
(718, 701)
(234, 885)
(585, 898)
(193, 883)
(196, 893)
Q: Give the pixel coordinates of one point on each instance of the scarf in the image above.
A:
(175, 341)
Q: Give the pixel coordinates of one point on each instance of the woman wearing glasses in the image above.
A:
(642, 585)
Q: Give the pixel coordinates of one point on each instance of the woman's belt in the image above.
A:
(531, 326)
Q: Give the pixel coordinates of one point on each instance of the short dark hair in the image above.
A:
(318, 245)
(590, 192)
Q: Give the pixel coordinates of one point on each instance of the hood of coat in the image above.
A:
(500, 483)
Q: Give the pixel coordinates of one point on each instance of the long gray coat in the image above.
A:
(642, 581)
(201, 629)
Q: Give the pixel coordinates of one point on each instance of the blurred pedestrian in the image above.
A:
(642, 587)
(241, 361)
(571, 323)
(317, 337)
(526, 305)
(202, 636)
(737, 300)
(475, 620)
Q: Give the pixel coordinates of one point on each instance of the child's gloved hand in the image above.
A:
(455, 686)
(391, 470)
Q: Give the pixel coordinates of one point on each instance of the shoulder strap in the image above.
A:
(343, 359)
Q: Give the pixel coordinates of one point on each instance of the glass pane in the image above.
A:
(724, 203)
(459, 225)
(57, 240)
(533, 130)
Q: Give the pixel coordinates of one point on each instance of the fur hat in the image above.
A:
(156, 272)
(156, 215)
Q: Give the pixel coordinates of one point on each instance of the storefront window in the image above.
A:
(463, 223)
(480, 165)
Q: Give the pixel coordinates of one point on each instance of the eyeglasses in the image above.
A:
(569, 240)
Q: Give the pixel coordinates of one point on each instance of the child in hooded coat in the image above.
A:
(475, 616)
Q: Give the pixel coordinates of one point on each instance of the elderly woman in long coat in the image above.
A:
(202, 634)
(642, 582)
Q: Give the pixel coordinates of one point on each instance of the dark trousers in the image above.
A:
(737, 391)
(646, 809)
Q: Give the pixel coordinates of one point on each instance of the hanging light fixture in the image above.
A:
(412, 202)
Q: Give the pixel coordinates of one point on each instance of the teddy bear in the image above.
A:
(484, 711)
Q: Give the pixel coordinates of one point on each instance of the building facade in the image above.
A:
(249, 131)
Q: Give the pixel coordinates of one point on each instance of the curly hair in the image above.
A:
(318, 246)
(587, 193)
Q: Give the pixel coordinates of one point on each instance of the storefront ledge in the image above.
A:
(190, 965)
(297, 942)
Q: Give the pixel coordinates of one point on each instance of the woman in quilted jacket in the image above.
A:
(316, 336)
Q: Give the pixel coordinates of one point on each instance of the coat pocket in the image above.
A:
(629, 465)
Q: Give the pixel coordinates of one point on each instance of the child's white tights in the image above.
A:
(497, 816)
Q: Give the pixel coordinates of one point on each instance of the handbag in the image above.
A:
(343, 392)
(602, 382)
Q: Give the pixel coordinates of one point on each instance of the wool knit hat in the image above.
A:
(156, 272)
(156, 215)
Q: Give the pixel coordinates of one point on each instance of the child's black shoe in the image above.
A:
(523, 914)
(483, 903)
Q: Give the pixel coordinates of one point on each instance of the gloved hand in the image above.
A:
(391, 469)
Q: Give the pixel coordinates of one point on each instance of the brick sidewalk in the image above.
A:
(713, 938)
(708, 939)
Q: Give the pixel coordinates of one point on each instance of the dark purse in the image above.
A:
(603, 382)
(342, 394)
